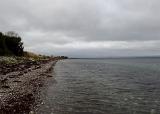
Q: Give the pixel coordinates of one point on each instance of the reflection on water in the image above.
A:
(110, 86)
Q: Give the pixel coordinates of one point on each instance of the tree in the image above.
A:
(11, 44)
(11, 34)
(2, 44)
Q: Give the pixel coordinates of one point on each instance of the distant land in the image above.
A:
(120, 57)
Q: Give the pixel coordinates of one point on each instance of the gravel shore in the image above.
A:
(20, 83)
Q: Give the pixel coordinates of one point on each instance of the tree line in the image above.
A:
(10, 44)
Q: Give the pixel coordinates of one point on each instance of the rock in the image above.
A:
(5, 86)
(19, 93)
(31, 112)
(49, 76)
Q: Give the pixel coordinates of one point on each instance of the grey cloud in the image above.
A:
(63, 22)
(100, 49)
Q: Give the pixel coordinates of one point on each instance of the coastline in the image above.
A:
(20, 87)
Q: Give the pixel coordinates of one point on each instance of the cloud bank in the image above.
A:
(85, 28)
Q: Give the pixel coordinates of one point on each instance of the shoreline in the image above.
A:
(20, 87)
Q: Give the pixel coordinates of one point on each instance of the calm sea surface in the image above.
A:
(108, 86)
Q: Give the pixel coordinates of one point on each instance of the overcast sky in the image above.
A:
(85, 28)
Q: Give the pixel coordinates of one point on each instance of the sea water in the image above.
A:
(103, 86)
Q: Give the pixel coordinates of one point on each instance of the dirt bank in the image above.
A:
(20, 83)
